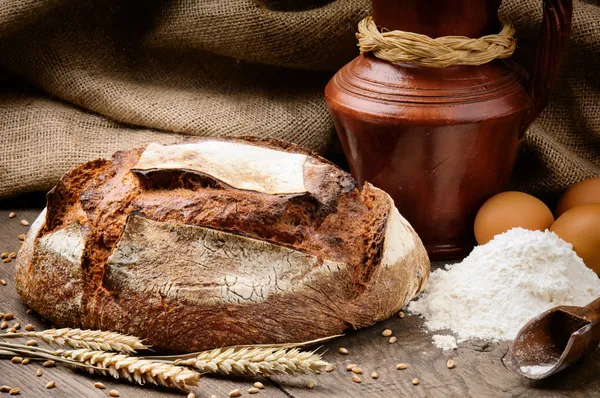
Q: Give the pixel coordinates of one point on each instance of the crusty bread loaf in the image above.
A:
(218, 242)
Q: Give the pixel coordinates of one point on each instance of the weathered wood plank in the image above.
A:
(479, 372)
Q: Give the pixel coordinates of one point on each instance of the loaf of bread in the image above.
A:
(218, 242)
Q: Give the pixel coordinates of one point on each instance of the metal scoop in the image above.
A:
(556, 339)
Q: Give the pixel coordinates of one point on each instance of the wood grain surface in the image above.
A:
(480, 367)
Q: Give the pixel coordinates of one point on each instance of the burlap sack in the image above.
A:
(81, 79)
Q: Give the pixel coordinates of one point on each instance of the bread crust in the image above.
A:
(187, 261)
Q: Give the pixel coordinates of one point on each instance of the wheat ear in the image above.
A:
(92, 339)
(142, 371)
(256, 361)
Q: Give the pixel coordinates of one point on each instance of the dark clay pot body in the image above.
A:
(440, 141)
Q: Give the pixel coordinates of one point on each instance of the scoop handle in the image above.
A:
(594, 317)
(595, 306)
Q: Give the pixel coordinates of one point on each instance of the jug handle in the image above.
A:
(551, 45)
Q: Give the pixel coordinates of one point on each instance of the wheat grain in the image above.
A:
(93, 339)
(262, 361)
(142, 371)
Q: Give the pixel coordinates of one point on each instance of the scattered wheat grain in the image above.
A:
(26, 361)
(12, 214)
(49, 364)
(51, 384)
(329, 368)
(12, 330)
(17, 360)
(386, 333)
(99, 386)
(191, 395)
(32, 343)
(5, 388)
(4, 255)
(253, 390)
(15, 391)
(9, 315)
(351, 366)
(29, 327)
(21, 237)
(401, 366)
(114, 393)
(374, 375)
(401, 314)
(12, 255)
(29, 311)
(356, 379)
(393, 340)
(25, 223)
(6, 260)
(357, 370)
(235, 393)
(2, 282)
(39, 372)
(3, 325)
(450, 364)
(343, 351)
(258, 384)
(415, 381)
(17, 325)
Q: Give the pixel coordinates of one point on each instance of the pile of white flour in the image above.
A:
(493, 292)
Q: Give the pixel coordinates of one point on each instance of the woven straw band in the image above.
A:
(414, 48)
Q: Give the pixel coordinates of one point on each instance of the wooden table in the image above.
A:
(481, 368)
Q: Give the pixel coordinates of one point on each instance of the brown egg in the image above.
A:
(580, 226)
(582, 193)
(508, 210)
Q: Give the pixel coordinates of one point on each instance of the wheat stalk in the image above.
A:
(142, 371)
(92, 339)
(256, 361)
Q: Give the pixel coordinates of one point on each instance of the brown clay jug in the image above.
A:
(441, 141)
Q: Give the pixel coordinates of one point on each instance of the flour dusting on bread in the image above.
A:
(239, 165)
